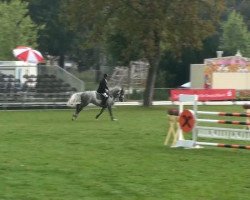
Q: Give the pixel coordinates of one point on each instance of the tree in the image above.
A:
(244, 10)
(235, 35)
(16, 28)
(118, 49)
(151, 25)
(54, 39)
(177, 69)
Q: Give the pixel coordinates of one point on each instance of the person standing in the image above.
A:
(103, 89)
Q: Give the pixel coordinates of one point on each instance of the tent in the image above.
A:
(186, 85)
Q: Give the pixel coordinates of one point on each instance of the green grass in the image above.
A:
(44, 155)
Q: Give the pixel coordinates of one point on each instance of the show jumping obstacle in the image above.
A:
(247, 108)
(186, 116)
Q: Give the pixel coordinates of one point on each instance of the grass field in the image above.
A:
(46, 156)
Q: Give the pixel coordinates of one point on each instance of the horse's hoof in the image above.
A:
(114, 119)
(74, 117)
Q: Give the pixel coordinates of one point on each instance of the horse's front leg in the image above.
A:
(97, 116)
(111, 113)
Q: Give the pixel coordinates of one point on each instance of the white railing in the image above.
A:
(62, 74)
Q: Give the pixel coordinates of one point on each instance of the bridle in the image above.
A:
(121, 95)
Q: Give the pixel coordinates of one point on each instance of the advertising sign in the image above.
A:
(205, 94)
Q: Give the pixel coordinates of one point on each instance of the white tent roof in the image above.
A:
(186, 85)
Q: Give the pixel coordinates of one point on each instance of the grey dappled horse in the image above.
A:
(82, 99)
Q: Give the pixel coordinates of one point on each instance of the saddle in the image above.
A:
(98, 96)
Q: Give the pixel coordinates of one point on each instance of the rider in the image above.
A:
(103, 89)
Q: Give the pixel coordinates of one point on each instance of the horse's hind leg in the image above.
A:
(79, 107)
(97, 116)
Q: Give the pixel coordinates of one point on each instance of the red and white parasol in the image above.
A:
(28, 54)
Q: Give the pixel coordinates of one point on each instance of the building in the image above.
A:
(231, 72)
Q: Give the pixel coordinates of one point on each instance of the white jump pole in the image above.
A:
(223, 121)
(235, 146)
(234, 114)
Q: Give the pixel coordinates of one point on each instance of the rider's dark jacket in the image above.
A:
(103, 86)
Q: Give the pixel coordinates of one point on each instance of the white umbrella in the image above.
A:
(28, 54)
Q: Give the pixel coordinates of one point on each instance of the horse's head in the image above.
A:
(118, 93)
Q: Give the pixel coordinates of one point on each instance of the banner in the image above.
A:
(205, 94)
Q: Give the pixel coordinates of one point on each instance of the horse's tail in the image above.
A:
(74, 99)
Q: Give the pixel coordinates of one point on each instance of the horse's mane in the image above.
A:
(114, 90)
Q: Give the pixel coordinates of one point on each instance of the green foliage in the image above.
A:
(55, 38)
(89, 78)
(44, 155)
(244, 10)
(119, 50)
(16, 28)
(235, 35)
(135, 95)
(149, 25)
(161, 94)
